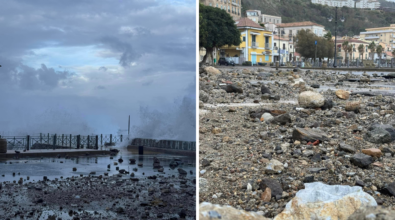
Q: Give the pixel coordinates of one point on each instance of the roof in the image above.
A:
(388, 53)
(246, 22)
(299, 24)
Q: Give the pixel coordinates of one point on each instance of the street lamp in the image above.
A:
(342, 19)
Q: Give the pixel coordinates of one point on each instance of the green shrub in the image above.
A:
(247, 63)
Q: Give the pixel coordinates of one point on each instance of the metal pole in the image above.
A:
(129, 127)
(334, 64)
(315, 58)
(279, 55)
(27, 142)
(70, 140)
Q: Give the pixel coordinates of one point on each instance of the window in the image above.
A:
(283, 46)
(274, 44)
(266, 58)
(244, 39)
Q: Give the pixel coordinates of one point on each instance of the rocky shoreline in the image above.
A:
(120, 196)
(264, 134)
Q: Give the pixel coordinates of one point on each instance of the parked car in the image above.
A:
(223, 61)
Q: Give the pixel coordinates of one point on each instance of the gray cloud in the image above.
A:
(158, 37)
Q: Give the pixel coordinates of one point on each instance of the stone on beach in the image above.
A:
(208, 211)
(322, 202)
(311, 99)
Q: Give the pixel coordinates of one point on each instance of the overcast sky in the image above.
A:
(82, 67)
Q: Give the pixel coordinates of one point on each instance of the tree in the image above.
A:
(328, 36)
(361, 50)
(306, 45)
(379, 51)
(393, 53)
(220, 28)
(262, 24)
(345, 46)
(372, 48)
(350, 49)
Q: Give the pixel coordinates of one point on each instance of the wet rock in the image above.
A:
(311, 135)
(182, 172)
(208, 211)
(311, 99)
(308, 179)
(361, 160)
(326, 202)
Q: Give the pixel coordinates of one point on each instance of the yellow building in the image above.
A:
(378, 35)
(256, 44)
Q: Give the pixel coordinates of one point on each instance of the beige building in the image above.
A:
(355, 52)
(371, 4)
(286, 49)
(233, 7)
(384, 35)
(258, 17)
(291, 29)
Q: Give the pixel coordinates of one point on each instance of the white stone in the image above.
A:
(212, 70)
(311, 99)
(319, 201)
(266, 117)
(274, 166)
(249, 187)
(208, 211)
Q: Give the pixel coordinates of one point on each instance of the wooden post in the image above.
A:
(41, 138)
(48, 139)
(88, 142)
(110, 139)
(27, 142)
(121, 137)
(78, 141)
(97, 142)
(62, 139)
(71, 136)
(101, 140)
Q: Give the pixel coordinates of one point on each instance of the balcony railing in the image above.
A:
(372, 37)
(254, 45)
(275, 48)
(267, 46)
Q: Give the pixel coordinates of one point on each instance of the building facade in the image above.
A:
(370, 4)
(233, 7)
(384, 35)
(258, 17)
(256, 44)
(291, 29)
(284, 47)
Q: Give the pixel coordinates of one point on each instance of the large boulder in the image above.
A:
(208, 211)
(212, 70)
(311, 99)
(302, 134)
(319, 201)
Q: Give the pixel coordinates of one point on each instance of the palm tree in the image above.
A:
(361, 49)
(379, 51)
(372, 48)
(349, 50)
(344, 46)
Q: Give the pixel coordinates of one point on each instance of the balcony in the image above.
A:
(255, 45)
(267, 47)
(371, 37)
(275, 48)
(235, 4)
